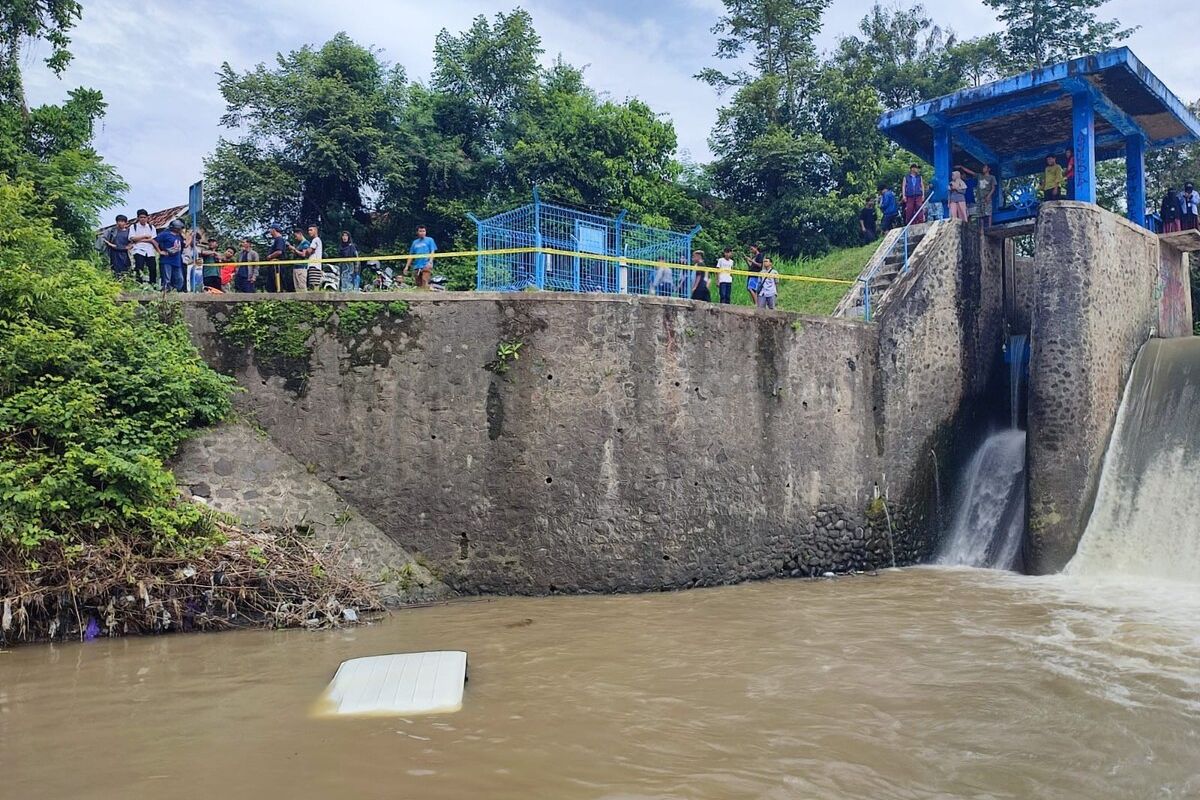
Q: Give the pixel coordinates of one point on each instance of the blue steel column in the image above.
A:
(942, 156)
(618, 250)
(1083, 132)
(539, 258)
(1135, 178)
(479, 251)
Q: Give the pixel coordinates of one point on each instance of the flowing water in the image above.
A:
(1147, 514)
(917, 683)
(989, 520)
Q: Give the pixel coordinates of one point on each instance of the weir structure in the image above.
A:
(551, 441)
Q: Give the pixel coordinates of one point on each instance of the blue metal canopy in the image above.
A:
(1098, 107)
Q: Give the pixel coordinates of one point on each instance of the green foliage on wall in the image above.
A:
(275, 327)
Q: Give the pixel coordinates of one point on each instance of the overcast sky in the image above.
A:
(156, 62)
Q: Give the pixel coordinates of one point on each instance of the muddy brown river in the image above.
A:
(919, 683)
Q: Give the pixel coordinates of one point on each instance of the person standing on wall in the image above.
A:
(1170, 210)
(169, 245)
(145, 262)
(768, 289)
(350, 272)
(985, 193)
(889, 207)
(725, 276)
(320, 276)
(277, 278)
(914, 195)
(116, 243)
(423, 245)
(210, 270)
(300, 250)
(958, 197)
(244, 277)
(1052, 180)
(867, 229)
(754, 263)
(1190, 218)
(700, 289)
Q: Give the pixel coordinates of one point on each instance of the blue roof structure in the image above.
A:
(1099, 107)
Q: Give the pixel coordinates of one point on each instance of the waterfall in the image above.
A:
(988, 525)
(1016, 353)
(1146, 520)
(989, 518)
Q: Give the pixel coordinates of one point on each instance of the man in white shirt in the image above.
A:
(725, 275)
(1191, 207)
(319, 276)
(145, 257)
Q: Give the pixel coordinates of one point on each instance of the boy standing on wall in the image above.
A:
(1190, 219)
(300, 250)
(725, 275)
(754, 263)
(425, 246)
(116, 242)
(145, 263)
(768, 289)
(700, 290)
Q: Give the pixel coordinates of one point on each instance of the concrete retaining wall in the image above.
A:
(1095, 301)
(637, 443)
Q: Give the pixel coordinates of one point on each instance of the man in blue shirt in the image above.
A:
(422, 245)
(888, 207)
(169, 245)
(914, 195)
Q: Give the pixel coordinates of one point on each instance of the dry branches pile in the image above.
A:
(273, 578)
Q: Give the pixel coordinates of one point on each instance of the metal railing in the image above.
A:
(901, 241)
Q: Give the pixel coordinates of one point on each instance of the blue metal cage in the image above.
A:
(562, 239)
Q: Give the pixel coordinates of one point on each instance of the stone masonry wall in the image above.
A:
(939, 342)
(634, 444)
(1096, 277)
(238, 470)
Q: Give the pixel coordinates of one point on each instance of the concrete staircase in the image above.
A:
(883, 270)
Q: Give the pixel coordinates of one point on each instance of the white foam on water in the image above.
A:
(1146, 519)
(989, 518)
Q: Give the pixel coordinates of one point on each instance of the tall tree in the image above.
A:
(1042, 32)
(318, 138)
(22, 21)
(779, 34)
(902, 53)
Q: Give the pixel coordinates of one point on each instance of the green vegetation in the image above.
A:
(806, 297)
(275, 327)
(356, 317)
(506, 354)
(93, 397)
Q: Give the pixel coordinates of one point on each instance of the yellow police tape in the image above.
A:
(639, 262)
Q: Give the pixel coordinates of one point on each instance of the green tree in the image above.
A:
(902, 53)
(22, 21)
(319, 139)
(1042, 32)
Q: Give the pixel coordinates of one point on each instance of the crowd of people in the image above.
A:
(1180, 209)
(763, 284)
(181, 260)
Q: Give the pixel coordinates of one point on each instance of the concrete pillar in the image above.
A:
(943, 153)
(1083, 128)
(1135, 178)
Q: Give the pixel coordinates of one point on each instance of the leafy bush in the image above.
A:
(94, 395)
(275, 327)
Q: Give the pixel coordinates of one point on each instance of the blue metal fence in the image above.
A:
(563, 238)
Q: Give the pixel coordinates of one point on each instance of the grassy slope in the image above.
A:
(806, 297)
